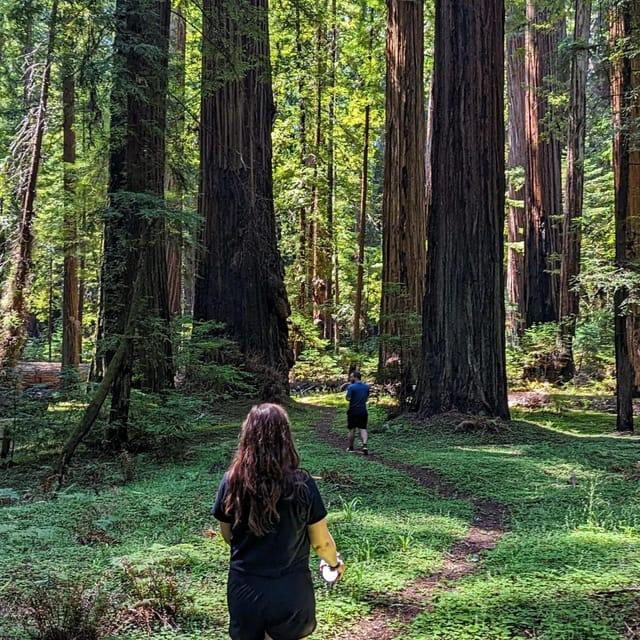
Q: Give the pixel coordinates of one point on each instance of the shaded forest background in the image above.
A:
(231, 197)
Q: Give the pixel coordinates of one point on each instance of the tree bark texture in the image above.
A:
(543, 171)
(13, 305)
(403, 203)
(174, 179)
(516, 161)
(71, 326)
(625, 92)
(572, 236)
(463, 364)
(136, 185)
(241, 275)
(362, 227)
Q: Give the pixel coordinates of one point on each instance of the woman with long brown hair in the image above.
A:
(270, 513)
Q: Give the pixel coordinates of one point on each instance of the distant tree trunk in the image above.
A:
(136, 185)
(516, 161)
(71, 327)
(241, 275)
(362, 227)
(625, 92)
(13, 305)
(543, 171)
(174, 179)
(330, 317)
(403, 205)
(303, 271)
(572, 236)
(463, 364)
(317, 234)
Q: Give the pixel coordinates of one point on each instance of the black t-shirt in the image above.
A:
(286, 548)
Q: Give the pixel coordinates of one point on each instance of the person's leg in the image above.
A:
(352, 438)
(364, 436)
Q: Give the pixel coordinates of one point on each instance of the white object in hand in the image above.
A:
(328, 574)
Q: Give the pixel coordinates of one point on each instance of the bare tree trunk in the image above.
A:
(330, 318)
(625, 97)
(463, 365)
(137, 158)
(174, 181)
(572, 237)
(71, 327)
(362, 227)
(515, 168)
(241, 274)
(403, 206)
(13, 306)
(543, 171)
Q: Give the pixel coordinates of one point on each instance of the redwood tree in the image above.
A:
(136, 185)
(625, 95)
(543, 168)
(240, 274)
(572, 236)
(463, 365)
(403, 204)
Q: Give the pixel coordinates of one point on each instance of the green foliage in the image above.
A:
(211, 361)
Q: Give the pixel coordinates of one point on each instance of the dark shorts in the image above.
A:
(284, 607)
(358, 421)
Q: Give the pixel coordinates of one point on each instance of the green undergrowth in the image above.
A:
(133, 539)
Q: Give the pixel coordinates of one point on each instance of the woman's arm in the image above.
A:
(225, 530)
(324, 545)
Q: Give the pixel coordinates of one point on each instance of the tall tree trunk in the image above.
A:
(543, 170)
(136, 186)
(516, 161)
(572, 237)
(13, 305)
(625, 92)
(362, 227)
(174, 180)
(403, 205)
(317, 230)
(71, 327)
(241, 275)
(303, 270)
(463, 365)
(330, 318)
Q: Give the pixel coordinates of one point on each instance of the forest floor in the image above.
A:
(452, 529)
(488, 525)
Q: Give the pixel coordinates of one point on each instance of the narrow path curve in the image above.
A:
(489, 524)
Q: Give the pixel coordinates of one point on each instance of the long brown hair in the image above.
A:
(263, 470)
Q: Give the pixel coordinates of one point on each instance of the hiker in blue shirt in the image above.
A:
(357, 416)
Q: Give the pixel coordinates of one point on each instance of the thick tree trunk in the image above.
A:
(136, 190)
(543, 171)
(403, 204)
(241, 276)
(13, 305)
(625, 92)
(572, 237)
(516, 161)
(463, 365)
(71, 327)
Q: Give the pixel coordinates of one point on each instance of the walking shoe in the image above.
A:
(365, 451)
(350, 449)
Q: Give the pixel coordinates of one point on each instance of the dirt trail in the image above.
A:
(489, 524)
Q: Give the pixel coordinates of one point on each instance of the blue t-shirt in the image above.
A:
(286, 548)
(357, 395)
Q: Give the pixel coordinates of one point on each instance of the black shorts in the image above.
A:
(358, 421)
(283, 607)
